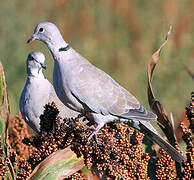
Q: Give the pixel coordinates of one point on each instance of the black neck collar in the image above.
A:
(64, 48)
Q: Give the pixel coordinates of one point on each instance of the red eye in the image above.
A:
(41, 30)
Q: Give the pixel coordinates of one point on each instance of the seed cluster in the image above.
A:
(117, 153)
(3, 163)
(17, 132)
(190, 113)
(7, 158)
(48, 119)
(188, 137)
(58, 134)
(165, 166)
(77, 176)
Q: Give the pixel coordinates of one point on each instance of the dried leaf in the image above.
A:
(154, 103)
(182, 119)
(4, 115)
(4, 102)
(172, 120)
(58, 165)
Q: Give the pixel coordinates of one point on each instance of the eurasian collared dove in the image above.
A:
(85, 88)
(37, 92)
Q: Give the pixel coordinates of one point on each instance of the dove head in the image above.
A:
(35, 63)
(48, 33)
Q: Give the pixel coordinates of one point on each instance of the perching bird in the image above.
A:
(37, 92)
(85, 88)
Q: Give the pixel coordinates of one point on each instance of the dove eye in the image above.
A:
(41, 30)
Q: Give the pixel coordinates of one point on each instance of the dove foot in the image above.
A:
(95, 132)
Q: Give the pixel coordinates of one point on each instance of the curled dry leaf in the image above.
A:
(154, 103)
(4, 102)
(58, 165)
(4, 115)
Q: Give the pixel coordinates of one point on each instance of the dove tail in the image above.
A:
(152, 134)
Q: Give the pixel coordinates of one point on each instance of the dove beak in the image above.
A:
(32, 38)
(43, 65)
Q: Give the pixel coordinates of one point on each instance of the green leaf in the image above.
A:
(2, 126)
(85, 170)
(58, 165)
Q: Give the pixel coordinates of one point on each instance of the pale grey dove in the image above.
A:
(37, 92)
(85, 88)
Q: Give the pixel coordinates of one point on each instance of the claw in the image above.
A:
(95, 137)
(95, 132)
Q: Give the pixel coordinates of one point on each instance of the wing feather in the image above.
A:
(97, 90)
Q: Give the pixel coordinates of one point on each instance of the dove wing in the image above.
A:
(101, 94)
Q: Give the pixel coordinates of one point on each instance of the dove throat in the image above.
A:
(32, 72)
